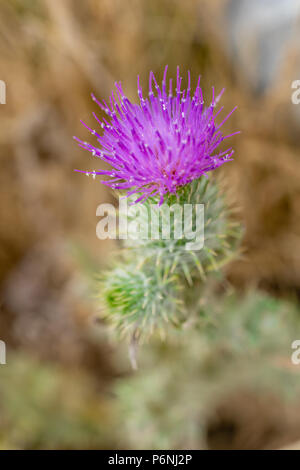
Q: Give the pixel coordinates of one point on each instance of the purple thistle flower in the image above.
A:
(166, 141)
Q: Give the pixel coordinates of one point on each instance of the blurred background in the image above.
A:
(66, 383)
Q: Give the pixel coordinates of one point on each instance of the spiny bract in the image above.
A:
(220, 233)
(141, 300)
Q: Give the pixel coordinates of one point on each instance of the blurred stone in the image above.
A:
(261, 33)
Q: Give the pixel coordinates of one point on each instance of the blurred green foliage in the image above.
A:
(231, 344)
(43, 406)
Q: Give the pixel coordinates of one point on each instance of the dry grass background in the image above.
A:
(53, 53)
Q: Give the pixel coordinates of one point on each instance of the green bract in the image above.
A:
(149, 289)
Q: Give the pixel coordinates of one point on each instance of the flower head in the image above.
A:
(166, 141)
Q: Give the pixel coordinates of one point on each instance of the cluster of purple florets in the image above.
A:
(166, 141)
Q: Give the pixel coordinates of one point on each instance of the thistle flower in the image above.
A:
(161, 144)
(158, 150)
